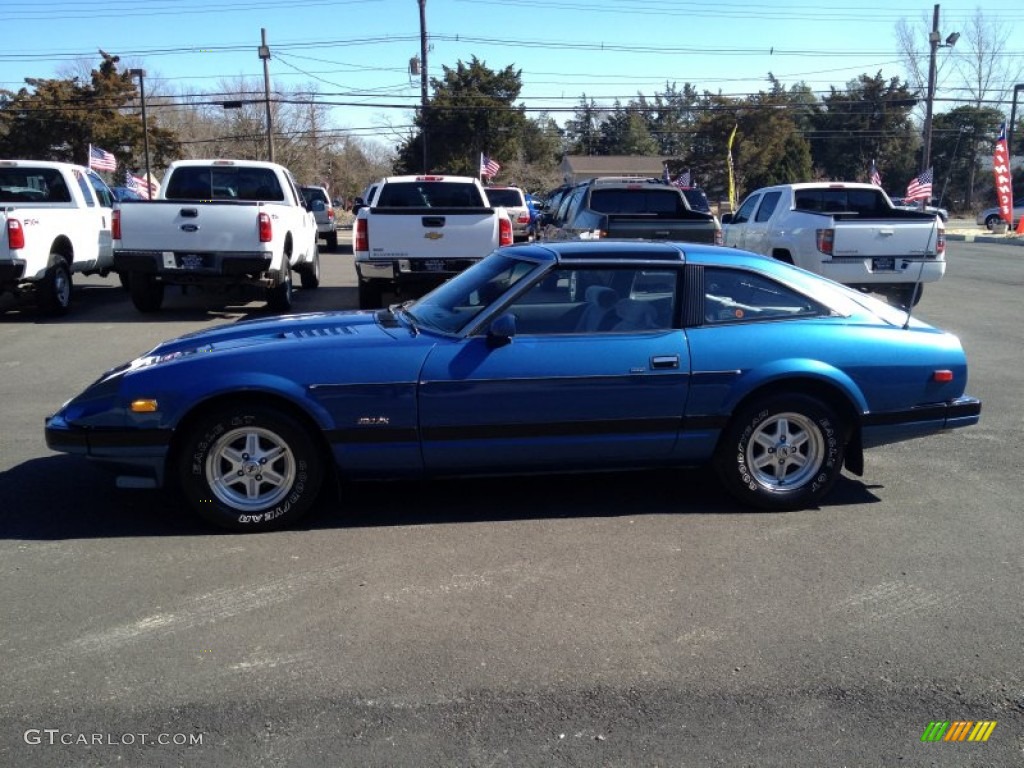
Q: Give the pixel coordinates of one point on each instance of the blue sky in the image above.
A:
(357, 52)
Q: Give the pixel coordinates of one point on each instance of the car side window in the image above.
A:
(739, 295)
(103, 193)
(746, 210)
(768, 205)
(617, 300)
(83, 184)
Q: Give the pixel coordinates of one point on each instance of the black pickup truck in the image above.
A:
(630, 208)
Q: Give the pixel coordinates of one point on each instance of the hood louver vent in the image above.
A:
(317, 333)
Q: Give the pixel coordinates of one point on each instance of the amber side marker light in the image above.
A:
(143, 406)
(942, 376)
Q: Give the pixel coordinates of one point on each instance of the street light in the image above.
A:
(141, 74)
(933, 40)
(1013, 121)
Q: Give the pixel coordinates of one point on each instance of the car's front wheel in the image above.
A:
(992, 221)
(782, 452)
(250, 468)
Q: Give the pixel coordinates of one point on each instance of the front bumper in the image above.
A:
(138, 456)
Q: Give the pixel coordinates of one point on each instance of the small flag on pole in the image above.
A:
(138, 184)
(876, 177)
(920, 187)
(683, 180)
(101, 160)
(488, 167)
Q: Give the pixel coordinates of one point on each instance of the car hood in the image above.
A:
(361, 325)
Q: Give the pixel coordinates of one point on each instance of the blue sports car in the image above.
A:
(566, 356)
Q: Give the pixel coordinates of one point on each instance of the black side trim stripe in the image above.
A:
(124, 438)
(960, 408)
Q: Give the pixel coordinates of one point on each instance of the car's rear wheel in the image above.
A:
(250, 468)
(782, 452)
(311, 272)
(992, 221)
(146, 291)
(370, 295)
(54, 290)
(279, 298)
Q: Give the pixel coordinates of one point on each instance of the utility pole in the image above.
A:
(423, 79)
(141, 74)
(933, 41)
(264, 52)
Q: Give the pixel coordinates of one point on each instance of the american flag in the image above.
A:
(138, 184)
(101, 160)
(683, 180)
(920, 188)
(488, 167)
(876, 177)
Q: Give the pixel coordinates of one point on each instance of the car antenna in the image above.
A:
(920, 272)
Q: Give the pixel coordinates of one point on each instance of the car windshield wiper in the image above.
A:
(403, 308)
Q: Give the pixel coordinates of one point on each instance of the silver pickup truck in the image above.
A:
(218, 224)
(418, 231)
(849, 232)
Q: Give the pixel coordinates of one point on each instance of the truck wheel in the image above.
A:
(908, 296)
(332, 241)
(370, 296)
(122, 277)
(55, 288)
(249, 468)
(279, 298)
(146, 291)
(310, 274)
(782, 452)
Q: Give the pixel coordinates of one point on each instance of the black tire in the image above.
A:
(123, 278)
(992, 221)
(782, 452)
(279, 298)
(909, 296)
(54, 290)
(146, 291)
(310, 274)
(370, 296)
(222, 468)
(332, 241)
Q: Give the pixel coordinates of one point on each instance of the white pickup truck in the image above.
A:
(417, 231)
(218, 224)
(56, 220)
(849, 232)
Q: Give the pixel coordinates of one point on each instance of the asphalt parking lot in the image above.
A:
(641, 619)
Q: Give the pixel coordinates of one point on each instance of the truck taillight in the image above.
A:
(115, 225)
(940, 243)
(15, 234)
(362, 237)
(826, 239)
(719, 239)
(266, 228)
(504, 232)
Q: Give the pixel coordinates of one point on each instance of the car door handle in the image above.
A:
(665, 361)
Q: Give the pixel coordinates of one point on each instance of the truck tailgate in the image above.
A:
(400, 233)
(884, 237)
(191, 226)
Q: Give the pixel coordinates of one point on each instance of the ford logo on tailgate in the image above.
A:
(189, 227)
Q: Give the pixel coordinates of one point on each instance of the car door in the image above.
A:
(756, 230)
(596, 374)
(735, 232)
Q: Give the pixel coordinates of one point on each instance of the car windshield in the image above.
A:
(450, 307)
(509, 198)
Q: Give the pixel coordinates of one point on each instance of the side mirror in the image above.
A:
(502, 329)
(727, 218)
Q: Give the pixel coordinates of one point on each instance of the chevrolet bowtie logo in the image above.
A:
(433, 235)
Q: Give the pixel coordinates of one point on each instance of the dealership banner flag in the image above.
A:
(732, 182)
(1001, 171)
